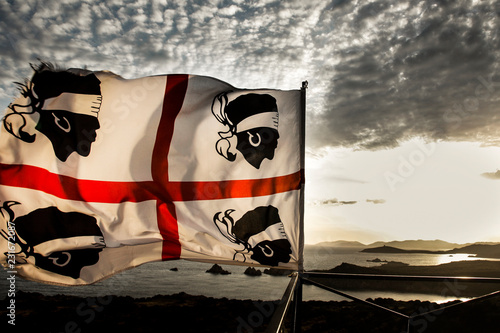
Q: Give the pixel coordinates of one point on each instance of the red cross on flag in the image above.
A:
(99, 174)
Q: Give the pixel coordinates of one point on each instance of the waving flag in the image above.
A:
(99, 174)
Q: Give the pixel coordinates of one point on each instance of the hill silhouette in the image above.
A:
(473, 268)
(419, 244)
(341, 243)
(479, 250)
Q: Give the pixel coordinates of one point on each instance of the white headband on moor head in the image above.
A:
(76, 103)
(265, 119)
(73, 243)
(273, 232)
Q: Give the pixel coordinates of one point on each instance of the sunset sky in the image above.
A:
(403, 104)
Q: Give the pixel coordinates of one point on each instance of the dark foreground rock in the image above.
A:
(253, 272)
(185, 313)
(216, 269)
(277, 271)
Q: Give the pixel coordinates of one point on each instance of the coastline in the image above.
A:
(449, 287)
(188, 313)
(64, 313)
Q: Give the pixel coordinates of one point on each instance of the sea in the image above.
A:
(172, 277)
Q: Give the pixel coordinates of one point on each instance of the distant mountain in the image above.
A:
(391, 249)
(430, 245)
(476, 268)
(480, 250)
(341, 243)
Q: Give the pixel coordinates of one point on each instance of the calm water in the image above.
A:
(157, 278)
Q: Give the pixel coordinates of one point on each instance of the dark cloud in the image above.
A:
(379, 72)
(491, 175)
(412, 69)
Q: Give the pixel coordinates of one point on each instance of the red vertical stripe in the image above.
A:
(172, 104)
(175, 91)
(167, 224)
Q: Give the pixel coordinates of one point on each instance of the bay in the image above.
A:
(157, 278)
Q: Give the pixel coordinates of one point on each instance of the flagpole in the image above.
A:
(302, 167)
(293, 292)
(297, 313)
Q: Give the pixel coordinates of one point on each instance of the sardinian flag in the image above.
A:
(99, 174)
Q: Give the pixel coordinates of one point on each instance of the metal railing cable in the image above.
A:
(277, 320)
(430, 278)
(411, 318)
(294, 289)
(340, 293)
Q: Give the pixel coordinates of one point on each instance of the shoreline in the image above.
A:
(449, 287)
(62, 313)
(65, 313)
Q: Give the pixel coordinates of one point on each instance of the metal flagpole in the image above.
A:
(294, 289)
(302, 166)
(297, 313)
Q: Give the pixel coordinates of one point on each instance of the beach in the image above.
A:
(187, 313)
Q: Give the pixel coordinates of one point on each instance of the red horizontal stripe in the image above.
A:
(246, 188)
(66, 187)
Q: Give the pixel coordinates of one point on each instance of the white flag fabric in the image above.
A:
(99, 174)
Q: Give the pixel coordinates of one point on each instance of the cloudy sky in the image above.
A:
(403, 127)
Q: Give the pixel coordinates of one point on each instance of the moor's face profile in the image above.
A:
(257, 144)
(67, 106)
(253, 121)
(68, 132)
(44, 235)
(248, 232)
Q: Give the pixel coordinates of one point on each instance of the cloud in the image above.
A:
(491, 175)
(376, 201)
(379, 73)
(336, 202)
(239, 43)
(415, 69)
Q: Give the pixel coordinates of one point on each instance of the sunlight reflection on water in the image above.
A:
(447, 258)
(157, 278)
